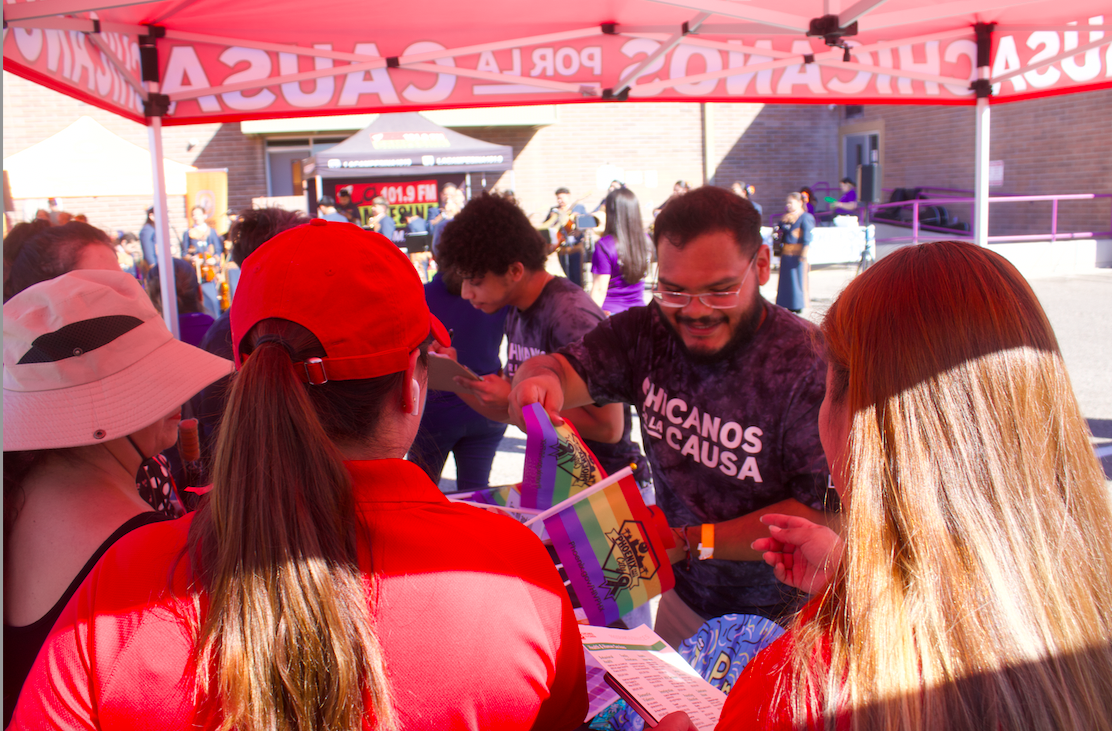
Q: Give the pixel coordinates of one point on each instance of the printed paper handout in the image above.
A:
(655, 675)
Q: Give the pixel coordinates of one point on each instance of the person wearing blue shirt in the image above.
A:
(382, 222)
(448, 425)
(326, 209)
(147, 239)
(201, 239)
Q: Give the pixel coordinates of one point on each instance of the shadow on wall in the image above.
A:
(243, 156)
(783, 148)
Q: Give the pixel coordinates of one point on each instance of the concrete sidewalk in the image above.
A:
(1079, 308)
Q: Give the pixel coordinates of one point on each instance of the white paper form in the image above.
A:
(654, 673)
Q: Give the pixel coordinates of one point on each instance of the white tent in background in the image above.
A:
(86, 160)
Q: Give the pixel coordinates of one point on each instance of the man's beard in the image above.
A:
(743, 334)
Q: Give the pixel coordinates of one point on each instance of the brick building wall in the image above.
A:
(777, 147)
(1059, 144)
(652, 144)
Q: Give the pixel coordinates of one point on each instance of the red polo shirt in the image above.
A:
(473, 619)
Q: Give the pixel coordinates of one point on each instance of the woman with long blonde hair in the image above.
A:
(971, 587)
(325, 584)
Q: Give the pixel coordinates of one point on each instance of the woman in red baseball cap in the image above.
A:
(325, 583)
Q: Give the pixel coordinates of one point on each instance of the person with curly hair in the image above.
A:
(500, 258)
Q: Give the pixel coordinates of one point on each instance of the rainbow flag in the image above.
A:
(609, 543)
(504, 495)
(557, 464)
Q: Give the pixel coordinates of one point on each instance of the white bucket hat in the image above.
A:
(88, 359)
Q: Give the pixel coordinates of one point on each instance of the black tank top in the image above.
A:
(22, 644)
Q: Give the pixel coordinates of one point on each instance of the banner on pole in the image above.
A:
(209, 190)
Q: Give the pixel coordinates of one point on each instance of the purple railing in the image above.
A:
(1054, 235)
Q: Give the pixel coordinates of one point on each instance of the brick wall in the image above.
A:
(778, 148)
(654, 144)
(1057, 144)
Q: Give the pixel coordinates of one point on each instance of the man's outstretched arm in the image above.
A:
(550, 381)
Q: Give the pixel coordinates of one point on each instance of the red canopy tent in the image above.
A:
(191, 61)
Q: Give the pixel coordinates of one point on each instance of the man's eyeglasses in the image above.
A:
(714, 300)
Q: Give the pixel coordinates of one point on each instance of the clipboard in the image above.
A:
(443, 369)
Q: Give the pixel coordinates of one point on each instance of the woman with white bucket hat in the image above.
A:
(93, 387)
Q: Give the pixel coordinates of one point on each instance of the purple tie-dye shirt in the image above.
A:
(723, 438)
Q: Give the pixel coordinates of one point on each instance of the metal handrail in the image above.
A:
(1054, 235)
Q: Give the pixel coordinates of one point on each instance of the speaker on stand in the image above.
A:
(868, 186)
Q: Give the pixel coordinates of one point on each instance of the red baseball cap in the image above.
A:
(353, 289)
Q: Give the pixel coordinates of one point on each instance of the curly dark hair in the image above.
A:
(706, 210)
(489, 235)
(255, 226)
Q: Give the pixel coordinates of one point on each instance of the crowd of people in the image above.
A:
(908, 489)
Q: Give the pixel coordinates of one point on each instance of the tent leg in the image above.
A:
(162, 228)
(980, 191)
(983, 89)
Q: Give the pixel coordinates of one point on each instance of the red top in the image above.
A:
(473, 619)
(749, 705)
(753, 704)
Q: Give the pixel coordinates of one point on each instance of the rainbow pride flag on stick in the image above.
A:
(609, 542)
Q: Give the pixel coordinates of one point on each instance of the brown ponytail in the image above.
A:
(287, 641)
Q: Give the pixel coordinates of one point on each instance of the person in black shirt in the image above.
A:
(728, 388)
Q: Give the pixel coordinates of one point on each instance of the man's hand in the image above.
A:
(801, 553)
(489, 396)
(548, 380)
(538, 381)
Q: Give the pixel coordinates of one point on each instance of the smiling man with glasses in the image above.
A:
(728, 388)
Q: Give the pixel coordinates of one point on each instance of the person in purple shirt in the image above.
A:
(621, 256)
(847, 204)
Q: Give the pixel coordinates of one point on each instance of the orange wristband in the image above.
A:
(706, 545)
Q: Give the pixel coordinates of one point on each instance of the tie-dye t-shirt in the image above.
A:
(562, 314)
(724, 438)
